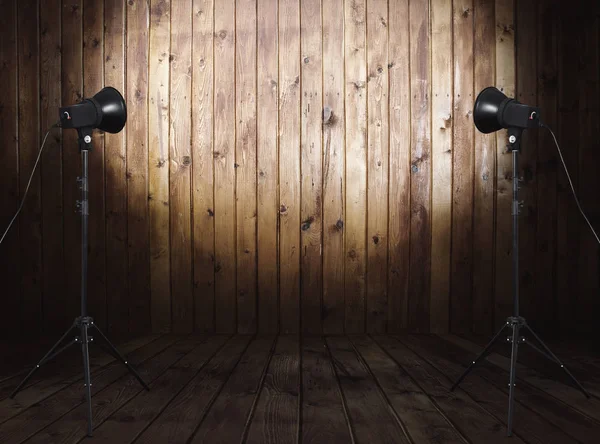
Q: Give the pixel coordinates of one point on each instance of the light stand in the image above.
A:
(107, 110)
(516, 322)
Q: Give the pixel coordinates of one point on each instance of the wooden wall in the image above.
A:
(299, 166)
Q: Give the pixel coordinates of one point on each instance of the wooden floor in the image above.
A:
(379, 389)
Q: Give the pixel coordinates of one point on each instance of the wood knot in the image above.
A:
(283, 209)
(307, 223)
(186, 160)
(375, 239)
(247, 251)
(352, 254)
(466, 12)
(379, 69)
(339, 225)
(222, 34)
(210, 212)
(306, 60)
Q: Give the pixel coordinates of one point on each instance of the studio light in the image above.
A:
(106, 111)
(494, 111)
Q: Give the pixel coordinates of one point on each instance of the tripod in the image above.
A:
(84, 323)
(516, 322)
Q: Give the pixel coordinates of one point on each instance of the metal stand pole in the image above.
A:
(516, 322)
(83, 323)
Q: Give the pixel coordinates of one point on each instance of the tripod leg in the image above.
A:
(51, 353)
(558, 361)
(86, 374)
(120, 357)
(478, 358)
(513, 376)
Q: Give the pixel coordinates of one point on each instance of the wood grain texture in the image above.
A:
(442, 115)
(93, 81)
(51, 172)
(419, 414)
(203, 203)
(484, 176)
(365, 404)
(463, 167)
(224, 167)
(311, 212)
(267, 194)
(138, 227)
(334, 185)
(526, 92)
(323, 409)
(245, 163)
(147, 406)
(29, 142)
(377, 165)
(190, 406)
(505, 82)
(158, 163)
(9, 168)
(399, 192)
(471, 419)
(289, 165)
(228, 416)
(355, 259)
(547, 162)
(180, 165)
(420, 179)
(115, 157)
(276, 414)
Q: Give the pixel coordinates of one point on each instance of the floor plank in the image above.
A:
(565, 393)
(366, 405)
(131, 420)
(473, 421)
(41, 414)
(72, 427)
(181, 417)
(226, 419)
(424, 422)
(276, 416)
(536, 416)
(324, 417)
(65, 366)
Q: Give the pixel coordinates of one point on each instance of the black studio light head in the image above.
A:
(106, 111)
(494, 111)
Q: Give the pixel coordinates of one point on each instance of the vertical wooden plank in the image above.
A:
(137, 165)
(526, 92)
(441, 169)
(356, 164)
(180, 160)
(399, 193)
(547, 164)
(485, 170)
(588, 307)
(420, 184)
(463, 164)
(115, 175)
(51, 170)
(505, 82)
(202, 161)
(29, 144)
(378, 165)
(311, 165)
(224, 168)
(158, 163)
(568, 138)
(245, 155)
(93, 81)
(267, 158)
(333, 166)
(9, 168)
(289, 164)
